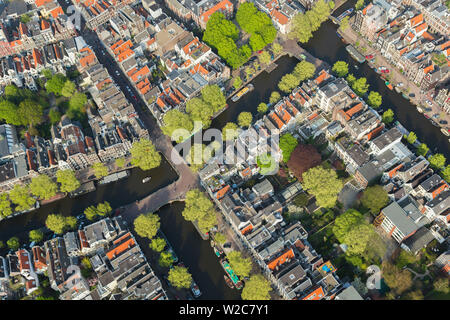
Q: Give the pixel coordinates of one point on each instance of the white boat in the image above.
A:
(445, 131)
(147, 179)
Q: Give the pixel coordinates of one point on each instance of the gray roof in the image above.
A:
(441, 203)
(334, 87)
(399, 218)
(419, 240)
(292, 276)
(431, 183)
(349, 293)
(262, 188)
(387, 138)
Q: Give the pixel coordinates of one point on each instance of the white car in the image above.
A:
(429, 102)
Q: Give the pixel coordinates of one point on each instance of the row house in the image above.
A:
(436, 14)
(199, 11)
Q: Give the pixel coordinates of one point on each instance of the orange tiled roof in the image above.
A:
(279, 17)
(416, 20)
(222, 5)
(317, 294)
(289, 254)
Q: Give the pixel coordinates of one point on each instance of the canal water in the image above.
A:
(196, 254)
(117, 193)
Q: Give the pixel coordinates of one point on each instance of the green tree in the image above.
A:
(174, 121)
(287, 145)
(441, 285)
(399, 281)
(237, 82)
(197, 156)
(13, 243)
(264, 58)
(77, 106)
(256, 42)
(30, 112)
(388, 116)
(414, 295)
(257, 288)
(437, 161)
(411, 138)
(5, 205)
(120, 162)
(360, 87)
(20, 196)
(200, 111)
(165, 259)
(304, 70)
(358, 238)
(220, 238)
(445, 174)
(146, 225)
(274, 97)
(56, 223)
(359, 4)
(213, 96)
(9, 113)
(344, 23)
(199, 208)
(375, 198)
(68, 180)
(230, 131)
(262, 108)
(345, 222)
(276, 48)
(301, 28)
(157, 244)
(351, 79)
(144, 155)
(374, 99)
(36, 235)
(56, 84)
(422, 150)
(241, 266)
(104, 209)
(179, 277)
(323, 184)
(68, 89)
(245, 119)
(43, 187)
(54, 116)
(100, 170)
(301, 200)
(70, 223)
(91, 213)
(340, 68)
(288, 82)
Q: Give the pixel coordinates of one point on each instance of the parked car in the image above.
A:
(369, 57)
(443, 121)
(385, 71)
(429, 102)
(427, 109)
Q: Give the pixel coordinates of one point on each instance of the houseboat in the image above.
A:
(241, 92)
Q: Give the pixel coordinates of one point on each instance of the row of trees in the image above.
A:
(199, 209)
(302, 71)
(304, 24)
(42, 187)
(201, 108)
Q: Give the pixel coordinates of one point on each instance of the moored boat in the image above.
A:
(445, 131)
(147, 179)
(195, 290)
(241, 92)
(228, 282)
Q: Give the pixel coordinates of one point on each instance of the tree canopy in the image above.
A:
(100, 170)
(58, 223)
(230, 131)
(147, 225)
(43, 187)
(340, 68)
(262, 108)
(274, 97)
(257, 288)
(68, 181)
(375, 198)
(179, 277)
(13, 243)
(157, 244)
(388, 116)
(287, 145)
(437, 161)
(241, 266)
(323, 184)
(144, 155)
(36, 235)
(422, 150)
(374, 99)
(245, 119)
(174, 119)
(360, 86)
(20, 196)
(198, 207)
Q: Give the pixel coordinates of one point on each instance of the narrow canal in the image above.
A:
(117, 193)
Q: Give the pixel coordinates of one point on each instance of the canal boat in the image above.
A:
(420, 109)
(355, 54)
(169, 248)
(147, 179)
(228, 282)
(389, 85)
(195, 289)
(234, 278)
(445, 131)
(243, 91)
(434, 123)
(405, 96)
(344, 14)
